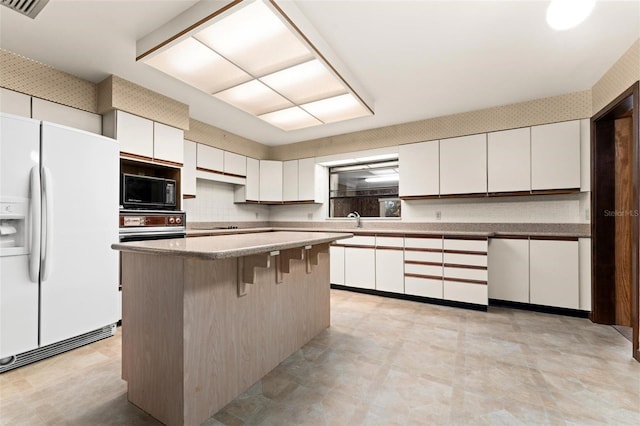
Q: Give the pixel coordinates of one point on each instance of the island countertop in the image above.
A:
(235, 245)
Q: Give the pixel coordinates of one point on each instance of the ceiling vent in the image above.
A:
(29, 8)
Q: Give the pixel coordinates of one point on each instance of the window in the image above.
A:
(371, 189)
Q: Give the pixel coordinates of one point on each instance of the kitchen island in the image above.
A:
(205, 318)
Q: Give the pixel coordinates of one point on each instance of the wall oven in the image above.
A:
(139, 225)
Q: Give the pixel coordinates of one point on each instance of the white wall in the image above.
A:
(214, 203)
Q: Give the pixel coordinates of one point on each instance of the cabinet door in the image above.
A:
(270, 180)
(15, 103)
(509, 269)
(188, 178)
(463, 165)
(235, 164)
(66, 115)
(135, 134)
(307, 178)
(168, 143)
(509, 160)
(585, 273)
(390, 270)
(252, 188)
(336, 260)
(360, 267)
(290, 180)
(419, 166)
(210, 158)
(553, 274)
(555, 156)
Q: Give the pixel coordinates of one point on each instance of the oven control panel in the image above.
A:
(156, 219)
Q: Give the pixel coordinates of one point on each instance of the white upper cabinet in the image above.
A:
(419, 166)
(463, 165)
(308, 176)
(66, 115)
(15, 103)
(144, 138)
(235, 164)
(134, 133)
(188, 177)
(555, 156)
(253, 180)
(210, 158)
(585, 155)
(270, 181)
(290, 183)
(168, 143)
(509, 160)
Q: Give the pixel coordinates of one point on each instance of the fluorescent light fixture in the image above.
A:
(254, 98)
(305, 82)
(339, 108)
(290, 118)
(565, 14)
(251, 55)
(332, 163)
(390, 156)
(195, 64)
(385, 178)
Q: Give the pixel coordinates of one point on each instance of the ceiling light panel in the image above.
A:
(305, 82)
(198, 66)
(256, 40)
(254, 98)
(337, 108)
(290, 119)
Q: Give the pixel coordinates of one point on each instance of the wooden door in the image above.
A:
(623, 220)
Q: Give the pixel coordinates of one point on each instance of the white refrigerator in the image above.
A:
(58, 219)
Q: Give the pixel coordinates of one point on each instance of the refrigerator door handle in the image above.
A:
(34, 257)
(47, 191)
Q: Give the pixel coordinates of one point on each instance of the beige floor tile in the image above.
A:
(382, 362)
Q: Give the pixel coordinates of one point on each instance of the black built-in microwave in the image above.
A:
(147, 192)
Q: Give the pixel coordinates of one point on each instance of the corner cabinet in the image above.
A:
(555, 156)
(419, 165)
(463, 165)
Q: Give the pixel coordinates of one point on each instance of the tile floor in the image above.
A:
(382, 362)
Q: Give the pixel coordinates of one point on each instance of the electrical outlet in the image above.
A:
(587, 215)
(438, 215)
(310, 216)
(256, 215)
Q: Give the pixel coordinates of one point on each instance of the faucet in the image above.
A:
(356, 215)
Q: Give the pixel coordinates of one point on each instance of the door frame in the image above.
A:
(602, 185)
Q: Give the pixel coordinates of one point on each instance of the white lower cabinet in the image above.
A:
(336, 262)
(425, 287)
(360, 267)
(390, 270)
(465, 292)
(553, 275)
(509, 269)
(584, 245)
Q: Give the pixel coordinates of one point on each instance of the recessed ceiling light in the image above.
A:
(565, 14)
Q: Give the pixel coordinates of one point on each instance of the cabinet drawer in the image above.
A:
(466, 274)
(359, 240)
(430, 243)
(466, 259)
(423, 256)
(466, 245)
(463, 292)
(390, 242)
(425, 287)
(431, 270)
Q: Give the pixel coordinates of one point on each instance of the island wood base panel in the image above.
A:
(191, 344)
